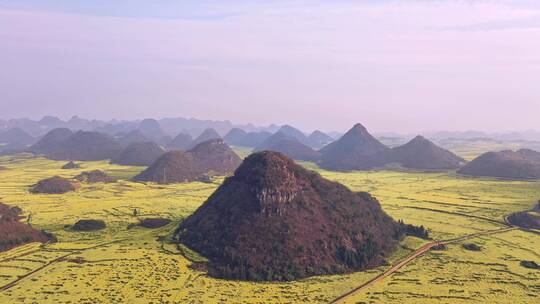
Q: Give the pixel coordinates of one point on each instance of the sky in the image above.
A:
(402, 66)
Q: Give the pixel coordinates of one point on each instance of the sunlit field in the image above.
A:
(469, 149)
(138, 265)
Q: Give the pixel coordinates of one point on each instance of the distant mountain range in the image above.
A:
(18, 135)
(151, 128)
(163, 131)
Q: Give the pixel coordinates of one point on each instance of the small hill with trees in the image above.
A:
(94, 176)
(89, 225)
(13, 233)
(276, 221)
(54, 185)
(526, 219)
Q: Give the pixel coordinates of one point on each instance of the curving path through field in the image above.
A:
(417, 253)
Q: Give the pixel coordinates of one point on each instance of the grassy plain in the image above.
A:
(131, 266)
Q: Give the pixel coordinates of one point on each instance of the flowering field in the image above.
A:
(138, 265)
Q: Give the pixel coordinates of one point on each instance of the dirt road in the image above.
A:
(417, 253)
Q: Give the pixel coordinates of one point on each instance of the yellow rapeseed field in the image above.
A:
(137, 265)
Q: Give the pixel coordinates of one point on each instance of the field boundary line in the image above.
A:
(500, 222)
(56, 260)
(417, 253)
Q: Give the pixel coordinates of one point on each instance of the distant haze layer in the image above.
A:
(404, 66)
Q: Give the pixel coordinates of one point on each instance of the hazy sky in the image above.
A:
(405, 66)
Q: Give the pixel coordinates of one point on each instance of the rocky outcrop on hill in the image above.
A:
(274, 220)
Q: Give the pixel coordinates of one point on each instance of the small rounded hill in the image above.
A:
(94, 176)
(318, 139)
(420, 153)
(171, 167)
(356, 150)
(235, 136)
(522, 164)
(54, 185)
(274, 220)
(527, 219)
(216, 157)
(89, 225)
(210, 157)
(139, 154)
(206, 135)
(134, 136)
(85, 146)
(154, 222)
(181, 142)
(289, 146)
(14, 233)
(49, 142)
(70, 165)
